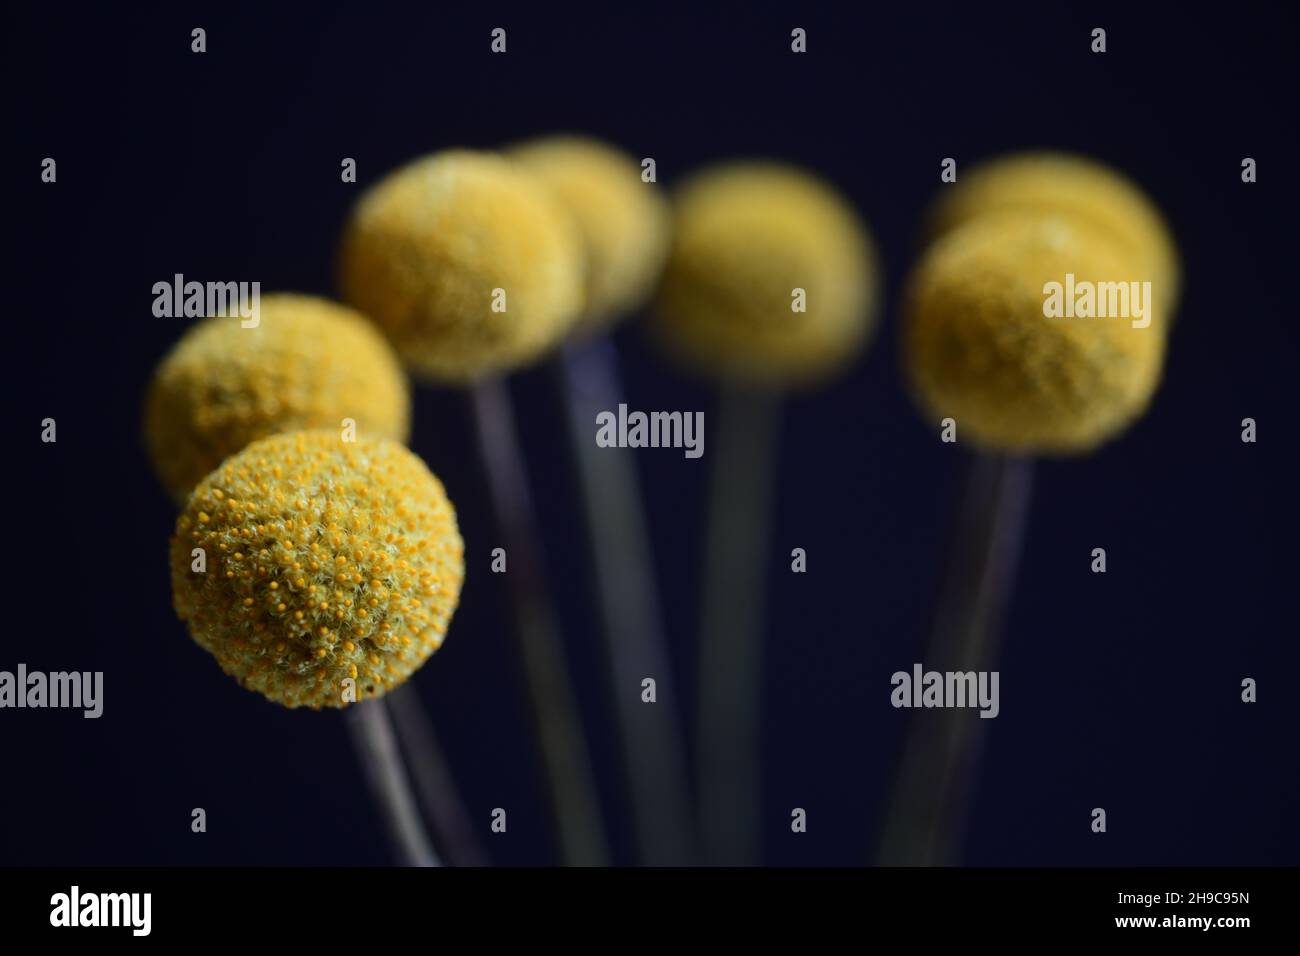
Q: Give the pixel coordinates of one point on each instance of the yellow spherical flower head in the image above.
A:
(1063, 184)
(771, 278)
(308, 363)
(989, 343)
(468, 263)
(623, 221)
(332, 567)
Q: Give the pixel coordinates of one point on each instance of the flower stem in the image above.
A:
(566, 762)
(434, 785)
(925, 818)
(372, 734)
(731, 646)
(632, 624)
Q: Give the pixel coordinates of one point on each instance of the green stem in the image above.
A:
(925, 818)
(566, 762)
(372, 734)
(434, 785)
(632, 624)
(731, 645)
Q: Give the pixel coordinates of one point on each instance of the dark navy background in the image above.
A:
(1120, 691)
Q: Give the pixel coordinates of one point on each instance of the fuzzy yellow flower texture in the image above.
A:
(623, 221)
(1074, 187)
(324, 562)
(980, 348)
(469, 265)
(309, 363)
(748, 238)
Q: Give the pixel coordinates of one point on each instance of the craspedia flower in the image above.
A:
(748, 238)
(308, 363)
(623, 221)
(326, 561)
(1054, 183)
(467, 263)
(980, 349)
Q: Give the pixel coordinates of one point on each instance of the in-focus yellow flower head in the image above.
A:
(308, 363)
(469, 265)
(1053, 183)
(326, 561)
(748, 240)
(623, 221)
(980, 349)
